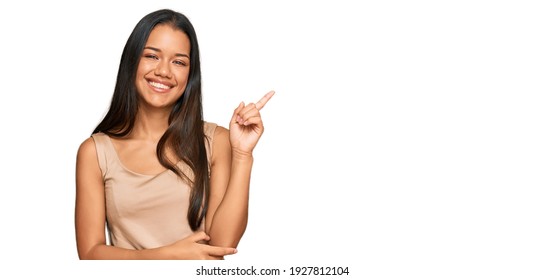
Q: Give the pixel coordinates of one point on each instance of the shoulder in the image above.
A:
(221, 132)
(87, 149)
(94, 147)
(209, 129)
(221, 137)
(215, 132)
(220, 143)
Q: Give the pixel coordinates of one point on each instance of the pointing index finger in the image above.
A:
(260, 104)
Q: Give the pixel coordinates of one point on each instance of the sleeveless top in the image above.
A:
(145, 211)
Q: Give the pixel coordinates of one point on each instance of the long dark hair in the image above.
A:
(185, 120)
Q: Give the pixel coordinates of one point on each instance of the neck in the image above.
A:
(150, 124)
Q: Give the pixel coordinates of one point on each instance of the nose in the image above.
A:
(163, 69)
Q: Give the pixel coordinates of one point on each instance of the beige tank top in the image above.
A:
(144, 211)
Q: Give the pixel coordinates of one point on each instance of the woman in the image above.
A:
(167, 184)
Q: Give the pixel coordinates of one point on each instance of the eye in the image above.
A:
(151, 56)
(180, 62)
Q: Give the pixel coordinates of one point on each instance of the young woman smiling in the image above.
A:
(166, 183)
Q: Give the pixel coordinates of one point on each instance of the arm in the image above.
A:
(90, 221)
(226, 219)
(232, 161)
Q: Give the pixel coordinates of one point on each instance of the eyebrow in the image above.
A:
(158, 50)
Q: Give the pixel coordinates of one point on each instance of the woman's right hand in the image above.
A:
(193, 247)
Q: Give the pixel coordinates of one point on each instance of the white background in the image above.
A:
(405, 139)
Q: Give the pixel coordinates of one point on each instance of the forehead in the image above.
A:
(169, 38)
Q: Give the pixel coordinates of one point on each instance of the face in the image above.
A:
(163, 71)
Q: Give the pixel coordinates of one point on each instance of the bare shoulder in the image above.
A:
(87, 165)
(221, 137)
(221, 143)
(87, 150)
(221, 132)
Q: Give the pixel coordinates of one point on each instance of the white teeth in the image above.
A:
(159, 85)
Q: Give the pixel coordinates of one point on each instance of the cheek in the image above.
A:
(182, 76)
(143, 69)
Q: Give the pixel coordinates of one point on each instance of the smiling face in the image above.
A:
(163, 70)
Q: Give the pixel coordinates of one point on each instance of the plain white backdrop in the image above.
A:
(405, 139)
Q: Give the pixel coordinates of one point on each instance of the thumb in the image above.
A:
(200, 236)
